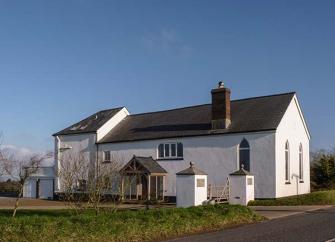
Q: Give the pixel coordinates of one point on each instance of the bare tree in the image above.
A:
(74, 170)
(105, 185)
(86, 184)
(20, 169)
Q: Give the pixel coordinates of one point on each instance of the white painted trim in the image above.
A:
(111, 123)
(302, 116)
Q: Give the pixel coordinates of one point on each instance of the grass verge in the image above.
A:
(156, 224)
(314, 198)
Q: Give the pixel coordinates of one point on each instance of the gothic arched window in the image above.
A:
(244, 155)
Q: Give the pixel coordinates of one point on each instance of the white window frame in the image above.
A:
(170, 157)
(287, 172)
(104, 156)
(301, 163)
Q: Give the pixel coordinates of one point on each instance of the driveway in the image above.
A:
(316, 225)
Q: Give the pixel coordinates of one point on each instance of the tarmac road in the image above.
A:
(317, 225)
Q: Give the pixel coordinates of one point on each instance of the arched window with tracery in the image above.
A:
(244, 155)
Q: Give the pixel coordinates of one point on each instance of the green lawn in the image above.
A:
(62, 225)
(314, 198)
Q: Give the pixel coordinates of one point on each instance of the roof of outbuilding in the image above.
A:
(247, 115)
(90, 124)
(240, 172)
(192, 170)
(148, 163)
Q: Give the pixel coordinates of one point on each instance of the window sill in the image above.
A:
(287, 183)
(105, 162)
(162, 159)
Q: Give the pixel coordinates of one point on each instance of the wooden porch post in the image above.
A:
(149, 178)
(129, 181)
(156, 189)
(163, 188)
(122, 187)
(137, 184)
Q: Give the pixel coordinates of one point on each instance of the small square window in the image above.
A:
(249, 180)
(200, 182)
(107, 156)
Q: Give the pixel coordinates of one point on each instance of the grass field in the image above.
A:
(314, 198)
(142, 225)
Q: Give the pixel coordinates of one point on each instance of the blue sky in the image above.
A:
(61, 61)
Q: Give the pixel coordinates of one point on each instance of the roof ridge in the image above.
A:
(108, 109)
(199, 105)
(271, 95)
(167, 110)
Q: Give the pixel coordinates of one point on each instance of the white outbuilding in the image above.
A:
(242, 187)
(40, 184)
(191, 187)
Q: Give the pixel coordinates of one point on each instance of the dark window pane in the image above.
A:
(107, 156)
(173, 150)
(161, 150)
(244, 144)
(167, 150)
(180, 150)
(245, 159)
(286, 166)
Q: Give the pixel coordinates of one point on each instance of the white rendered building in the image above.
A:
(268, 135)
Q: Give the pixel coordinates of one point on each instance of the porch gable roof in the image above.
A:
(145, 165)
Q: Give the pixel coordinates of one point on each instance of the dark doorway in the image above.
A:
(144, 181)
(38, 188)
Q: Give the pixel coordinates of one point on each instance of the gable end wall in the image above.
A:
(292, 128)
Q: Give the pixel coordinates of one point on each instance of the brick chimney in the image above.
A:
(221, 118)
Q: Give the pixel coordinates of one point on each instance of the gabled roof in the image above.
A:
(90, 124)
(147, 164)
(247, 115)
(192, 170)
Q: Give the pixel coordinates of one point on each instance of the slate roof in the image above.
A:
(148, 163)
(247, 115)
(192, 170)
(90, 124)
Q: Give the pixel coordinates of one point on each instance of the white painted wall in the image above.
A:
(110, 124)
(79, 143)
(29, 188)
(240, 192)
(217, 155)
(188, 194)
(293, 129)
(185, 191)
(45, 188)
(200, 192)
(250, 189)
(46, 176)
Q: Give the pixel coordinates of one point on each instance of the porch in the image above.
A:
(142, 178)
